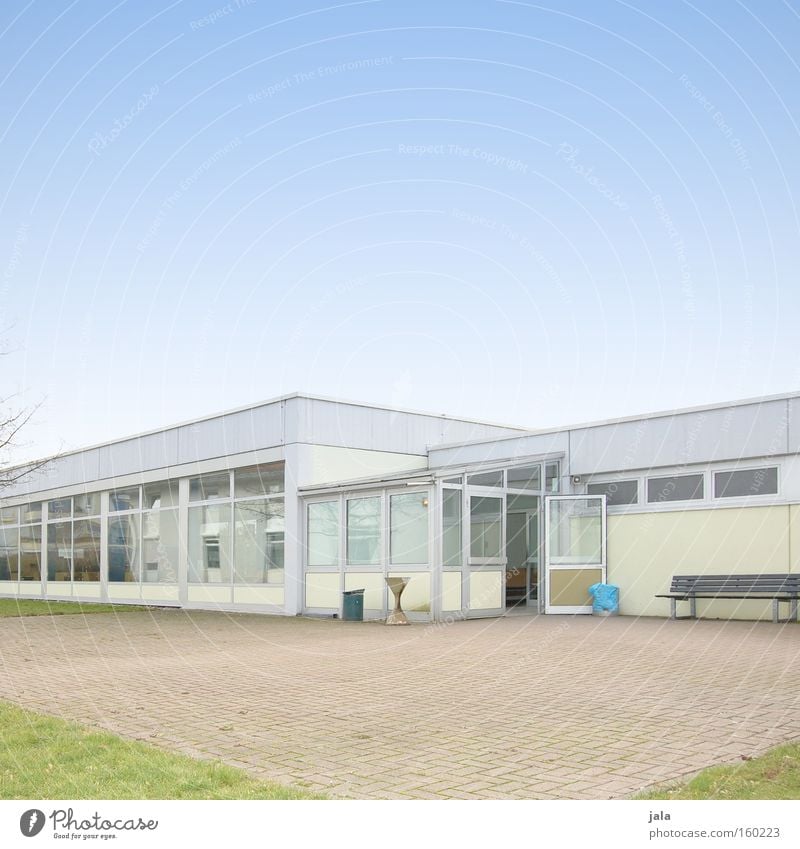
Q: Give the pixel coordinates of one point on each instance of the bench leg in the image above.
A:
(673, 608)
(693, 607)
(793, 612)
(776, 610)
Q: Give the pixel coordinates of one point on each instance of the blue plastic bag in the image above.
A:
(605, 598)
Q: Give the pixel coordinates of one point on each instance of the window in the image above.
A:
(159, 495)
(486, 479)
(87, 505)
(551, 477)
(210, 544)
(617, 493)
(408, 533)
(59, 508)
(457, 481)
(451, 527)
(86, 550)
(675, 488)
(9, 516)
(9, 554)
(59, 551)
(210, 487)
(323, 533)
(30, 553)
(258, 480)
(745, 482)
(525, 477)
(258, 543)
(123, 499)
(160, 546)
(486, 525)
(363, 531)
(124, 551)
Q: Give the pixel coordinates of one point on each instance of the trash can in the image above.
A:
(605, 599)
(353, 605)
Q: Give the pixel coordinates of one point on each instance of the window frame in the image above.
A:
(759, 495)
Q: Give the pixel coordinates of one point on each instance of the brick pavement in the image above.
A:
(519, 707)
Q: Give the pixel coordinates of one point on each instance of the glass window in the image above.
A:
(160, 495)
(259, 541)
(525, 477)
(576, 529)
(9, 554)
(616, 492)
(124, 548)
(59, 508)
(9, 516)
(160, 547)
(30, 553)
(59, 551)
(486, 527)
(323, 533)
(486, 479)
(258, 480)
(31, 513)
(551, 477)
(209, 487)
(363, 531)
(408, 534)
(451, 527)
(210, 544)
(744, 482)
(86, 550)
(87, 505)
(458, 480)
(123, 499)
(675, 488)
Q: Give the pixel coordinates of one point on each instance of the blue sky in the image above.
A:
(534, 213)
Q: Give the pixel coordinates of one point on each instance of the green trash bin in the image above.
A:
(353, 606)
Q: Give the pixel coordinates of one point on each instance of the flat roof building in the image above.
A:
(282, 506)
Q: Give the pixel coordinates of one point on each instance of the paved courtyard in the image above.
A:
(520, 707)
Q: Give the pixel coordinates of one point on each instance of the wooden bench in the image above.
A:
(780, 587)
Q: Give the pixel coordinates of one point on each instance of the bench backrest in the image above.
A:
(773, 583)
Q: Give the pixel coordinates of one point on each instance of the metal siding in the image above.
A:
(153, 451)
(754, 430)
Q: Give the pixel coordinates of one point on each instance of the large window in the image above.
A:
(210, 544)
(143, 534)
(741, 483)
(9, 554)
(73, 538)
(451, 528)
(59, 551)
(363, 531)
(617, 493)
(258, 545)
(238, 536)
(486, 527)
(675, 488)
(30, 553)
(323, 533)
(408, 531)
(525, 477)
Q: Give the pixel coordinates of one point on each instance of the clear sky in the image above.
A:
(532, 213)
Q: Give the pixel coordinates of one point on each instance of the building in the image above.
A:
(282, 506)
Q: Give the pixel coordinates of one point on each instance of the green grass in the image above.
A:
(32, 607)
(46, 758)
(774, 775)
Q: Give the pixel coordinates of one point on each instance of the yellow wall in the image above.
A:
(646, 549)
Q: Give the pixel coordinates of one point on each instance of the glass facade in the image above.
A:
(363, 531)
(322, 547)
(408, 530)
(451, 527)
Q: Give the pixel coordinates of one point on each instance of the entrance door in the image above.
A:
(575, 551)
(522, 549)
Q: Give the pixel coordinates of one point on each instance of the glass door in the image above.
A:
(522, 549)
(575, 551)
